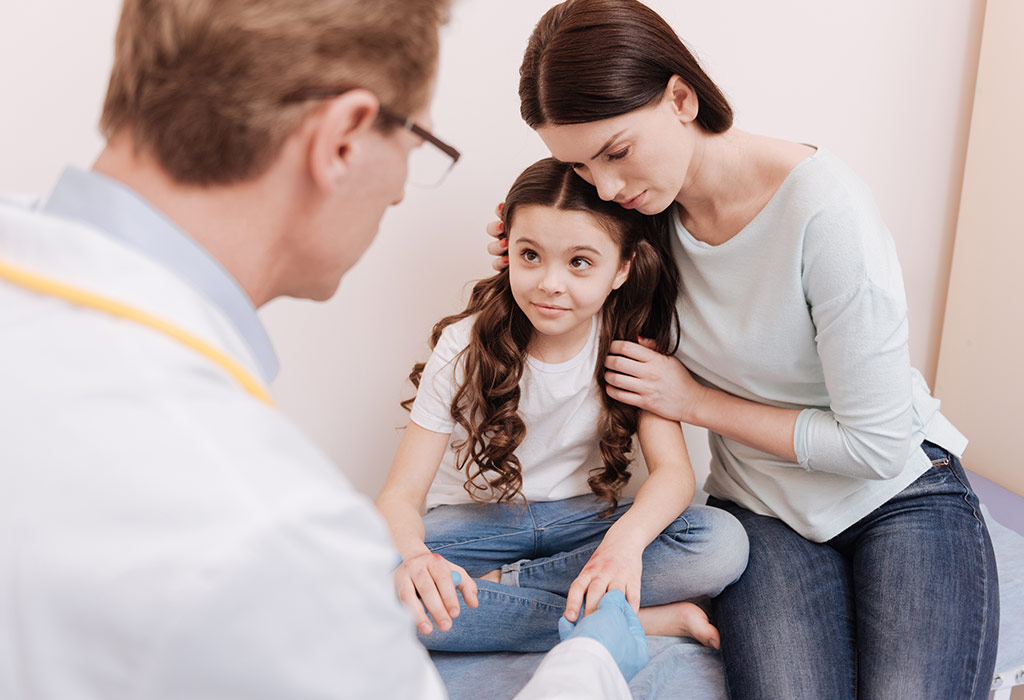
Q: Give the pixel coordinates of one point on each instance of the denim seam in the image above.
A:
(473, 541)
(966, 495)
(532, 601)
(980, 652)
(985, 583)
(565, 555)
(555, 559)
(536, 533)
(536, 537)
(553, 526)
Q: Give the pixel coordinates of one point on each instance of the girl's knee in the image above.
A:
(729, 547)
(724, 545)
(698, 555)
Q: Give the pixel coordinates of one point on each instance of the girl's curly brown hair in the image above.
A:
(486, 404)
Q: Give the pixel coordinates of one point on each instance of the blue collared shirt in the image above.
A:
(121, 213)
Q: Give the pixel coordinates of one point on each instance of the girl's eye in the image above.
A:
(619, 155)
(579, 263)
(529, 255)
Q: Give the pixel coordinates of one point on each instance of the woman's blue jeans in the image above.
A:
(541, 549)
(902, 605)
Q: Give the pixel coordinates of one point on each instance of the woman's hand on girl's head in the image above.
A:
(610, 568)
(498, 247)
(425, 581)
(643, 377)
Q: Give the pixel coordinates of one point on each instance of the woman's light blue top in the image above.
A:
(804, 308)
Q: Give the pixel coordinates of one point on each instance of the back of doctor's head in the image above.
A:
(204, 85)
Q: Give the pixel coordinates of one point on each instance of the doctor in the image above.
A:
(165, 532)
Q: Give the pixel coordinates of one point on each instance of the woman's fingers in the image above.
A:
(495, 229)
(498, 247)
(625, 382)
(625, 365)
(634, 351)
(626, 397)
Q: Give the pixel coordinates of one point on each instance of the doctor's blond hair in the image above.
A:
(203, 85)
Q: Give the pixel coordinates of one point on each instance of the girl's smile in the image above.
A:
(550, 310)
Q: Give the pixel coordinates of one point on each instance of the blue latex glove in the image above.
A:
(617, 627)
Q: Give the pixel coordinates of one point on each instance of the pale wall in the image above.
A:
(980, 379)
(885, 85)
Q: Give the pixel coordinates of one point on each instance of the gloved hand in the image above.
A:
(617, 627)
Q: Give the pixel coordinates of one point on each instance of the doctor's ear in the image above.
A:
(338, 133)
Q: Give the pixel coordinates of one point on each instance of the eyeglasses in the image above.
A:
(428, 167)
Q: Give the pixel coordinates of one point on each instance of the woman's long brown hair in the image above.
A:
(486, 404)
(594, 59)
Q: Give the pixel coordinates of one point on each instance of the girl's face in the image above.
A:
(639, 159)
(562, 267)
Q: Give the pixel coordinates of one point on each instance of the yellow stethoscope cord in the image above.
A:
(81, 297)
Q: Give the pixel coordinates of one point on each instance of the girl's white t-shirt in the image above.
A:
(559, 403)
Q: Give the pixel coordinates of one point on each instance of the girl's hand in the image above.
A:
(498, 247)
(643, 377)
(610, 567)
(426, 580)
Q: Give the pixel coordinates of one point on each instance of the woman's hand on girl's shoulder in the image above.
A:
(643, 377)
(427, 583)
(498, 248)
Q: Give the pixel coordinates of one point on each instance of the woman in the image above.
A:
(871, 572)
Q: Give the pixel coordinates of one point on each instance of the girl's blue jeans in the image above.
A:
(903, 604)
(541, 548)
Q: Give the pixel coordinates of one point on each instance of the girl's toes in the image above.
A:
(700, 628)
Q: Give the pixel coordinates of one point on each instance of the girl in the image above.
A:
(510, 413)
(867, 545)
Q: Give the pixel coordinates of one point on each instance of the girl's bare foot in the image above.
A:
(680, 620)
(492, 576)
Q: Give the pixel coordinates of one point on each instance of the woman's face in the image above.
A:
(639, 159)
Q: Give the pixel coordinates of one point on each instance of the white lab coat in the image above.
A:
(163, 534)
